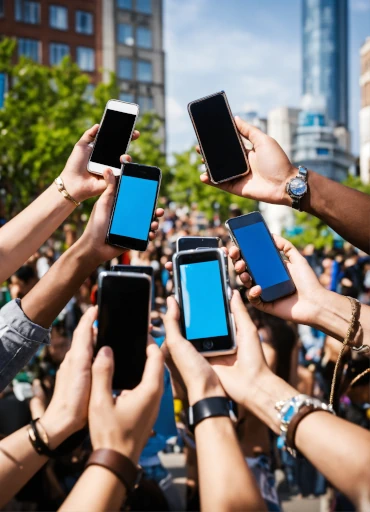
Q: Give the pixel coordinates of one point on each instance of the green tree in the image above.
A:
(185, 187)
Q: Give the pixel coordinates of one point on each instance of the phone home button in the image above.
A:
(207, 345)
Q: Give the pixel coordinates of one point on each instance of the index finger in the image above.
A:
(152, 378)
(83, 337)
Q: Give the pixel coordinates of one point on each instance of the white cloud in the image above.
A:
(205, 55)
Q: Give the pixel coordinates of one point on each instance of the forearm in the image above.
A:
(334, 315)
(344, 209)
(98, 489)
(226, 482)
(25, 233)
(327, 441)
(19, 462)
(47, 299)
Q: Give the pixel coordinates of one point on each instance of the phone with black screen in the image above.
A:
(264, 262)
(134, 206)
(218, 137)
(136, 269)
(113, 138)
(123, 324)
(203, 295)
(186, 243)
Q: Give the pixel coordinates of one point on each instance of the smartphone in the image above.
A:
(134, 206)
(264, 262)
(203, 295)
(114, 136)
(123, 323)
(186, 243)
(218, 137)
(148, 270)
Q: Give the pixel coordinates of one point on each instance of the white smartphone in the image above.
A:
(114, 136)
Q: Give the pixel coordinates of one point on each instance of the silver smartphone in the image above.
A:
(186, 243)
(203, 295)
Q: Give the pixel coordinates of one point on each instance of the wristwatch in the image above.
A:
(297, 187)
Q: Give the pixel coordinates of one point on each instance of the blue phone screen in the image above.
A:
(203, 301)
(261, 255)
(134, 207)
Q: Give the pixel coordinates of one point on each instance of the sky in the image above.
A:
(249, 48)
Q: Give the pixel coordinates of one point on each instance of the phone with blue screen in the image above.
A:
(264, 262)
(203, 294)
(134, 206)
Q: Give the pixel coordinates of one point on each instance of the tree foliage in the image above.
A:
(185, 187)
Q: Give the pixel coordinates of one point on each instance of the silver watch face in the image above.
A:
(298, 187)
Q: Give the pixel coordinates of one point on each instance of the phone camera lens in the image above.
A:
(207, 345)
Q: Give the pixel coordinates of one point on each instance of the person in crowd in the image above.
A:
(22, 281)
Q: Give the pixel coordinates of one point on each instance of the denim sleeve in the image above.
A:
(19, 341)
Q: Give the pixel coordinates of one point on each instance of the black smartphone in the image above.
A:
(148, 270)
(186, 243)
(134, 206)
(203, 295)
(123, 324)
(264, 262)
(218, 137)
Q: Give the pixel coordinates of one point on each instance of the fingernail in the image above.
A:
(105, 352)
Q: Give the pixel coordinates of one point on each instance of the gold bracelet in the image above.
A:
(61, 188)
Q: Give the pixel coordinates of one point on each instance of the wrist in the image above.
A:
(57, 430)
(334, 315)
(286, 200)
(72, 187)
(201, 392)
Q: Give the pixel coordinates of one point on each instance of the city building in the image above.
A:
(317, 147)
(282, 123)
(325, 56)
(47, 30)
(365, 112)
(132, 45)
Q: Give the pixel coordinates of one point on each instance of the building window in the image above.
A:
(124, 4)
(2, 12)
(3, 88)
(29, 48)
(58, 17)
(322, 151)
(145, 103)
(57, 52)
(86, 58)
(127, 96)
(124, 34)
(144, 37)
(144, 71)
(144, 6)
(125, 68)
(84, 22)
(27, 11)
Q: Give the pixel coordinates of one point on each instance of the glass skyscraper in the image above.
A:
(325, 56)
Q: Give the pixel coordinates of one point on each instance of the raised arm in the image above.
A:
(345, 210)
(25, 233)
(329, 443)
(120, 426)
(226, 483)
(66, 414)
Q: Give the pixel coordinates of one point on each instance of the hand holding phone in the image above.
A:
(114, 136)
(264, 262)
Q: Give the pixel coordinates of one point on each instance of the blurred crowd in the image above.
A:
(301, 355)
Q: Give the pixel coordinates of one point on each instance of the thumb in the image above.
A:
(250, 132)
(102, 374)
(293, 255)
(243, 322)
(171, 320)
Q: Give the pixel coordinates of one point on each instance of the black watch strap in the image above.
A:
(208, 408)
(296, 203)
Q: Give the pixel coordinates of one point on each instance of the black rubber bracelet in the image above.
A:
(65, 448)
(38, 444)
(208, 408)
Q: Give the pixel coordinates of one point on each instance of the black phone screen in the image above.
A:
(261, 255)
(113, 138)
(123, 324)
(186, 243)
(203, 299)
(218, 138)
